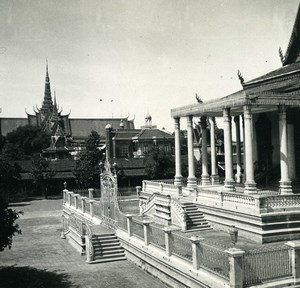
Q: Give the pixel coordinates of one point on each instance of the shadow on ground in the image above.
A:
(29, 277)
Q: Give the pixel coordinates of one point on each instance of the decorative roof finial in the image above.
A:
(281, 55)
(239, 74)
(199, 100)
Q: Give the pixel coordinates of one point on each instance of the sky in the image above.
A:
(137, 56)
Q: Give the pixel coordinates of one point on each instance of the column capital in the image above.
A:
(236, 118)
(189, 120)
(177, 122)
(282, 108)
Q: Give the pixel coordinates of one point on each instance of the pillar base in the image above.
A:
(250, 187)
(228, 186)
(205, 180)
(285, 187)
(192, 182)
(178, 181)
(214, 179)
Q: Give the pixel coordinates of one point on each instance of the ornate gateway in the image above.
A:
(109, 192)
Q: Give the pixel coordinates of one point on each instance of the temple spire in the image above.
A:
(47, 105)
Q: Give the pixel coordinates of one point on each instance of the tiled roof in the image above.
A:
(147, 134)
(83, 127)
(126, 134)
(285, 70)
(58, 165)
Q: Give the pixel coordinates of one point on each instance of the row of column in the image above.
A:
(250, 186)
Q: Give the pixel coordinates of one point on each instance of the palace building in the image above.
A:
(49, 117)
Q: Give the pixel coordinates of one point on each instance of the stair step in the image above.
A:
(105, 260)
(107, 245)
(198, 229)
(108, 249)
(194, 217)
(104, 241)
(194, 212)
(195, 222)
(111, 253)
(102, 237)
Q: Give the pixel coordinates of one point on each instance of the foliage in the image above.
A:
(31, 139)
(41, 174)
(12, 152)
(8, 227)
(87, 167)
(159, 164)
(9, 176)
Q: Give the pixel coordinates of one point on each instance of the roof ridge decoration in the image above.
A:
(293, 49)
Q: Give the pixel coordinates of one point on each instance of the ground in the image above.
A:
(39, 258)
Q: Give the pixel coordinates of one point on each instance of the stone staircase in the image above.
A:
(195, 220)
(107, 248)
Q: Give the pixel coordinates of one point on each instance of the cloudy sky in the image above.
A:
(135, 55)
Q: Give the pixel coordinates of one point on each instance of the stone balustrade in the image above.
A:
(255, 204)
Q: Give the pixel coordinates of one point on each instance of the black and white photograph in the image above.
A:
(149, 143)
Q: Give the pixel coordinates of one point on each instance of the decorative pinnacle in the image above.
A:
(199, 100)
(281, 55)
(239, 74)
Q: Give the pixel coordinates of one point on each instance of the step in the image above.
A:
(106, 245)
(109, 256)
(104, 241)
(115, 248)
(107, 260)
(192, 217)
(100, 237)
(195, 222)
(196, 212)
(198, 229)
(111, 253)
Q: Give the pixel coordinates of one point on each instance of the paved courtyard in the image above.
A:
(40, 259)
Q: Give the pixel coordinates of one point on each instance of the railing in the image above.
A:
(178, 214)
(182, 247)
(156, 236)
(266, 264)
(258, 266)
(214, 259)
(137, 229)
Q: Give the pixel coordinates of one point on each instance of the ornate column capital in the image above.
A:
(189, 120)
(177, 123)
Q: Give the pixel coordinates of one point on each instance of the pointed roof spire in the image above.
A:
(47, 105)
(293, 50)
(55, 116)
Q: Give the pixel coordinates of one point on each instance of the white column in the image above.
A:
(238, 175)
(191, 178)
(285, 182)
(204, 177)
(228, 150)
(214, 172)
(244, 149)
(178, 175)
(250, 185)
(291, 149)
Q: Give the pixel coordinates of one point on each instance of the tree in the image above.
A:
(41, 174)
(30, 139)
(87, 167)
(159, 164)
(9, 177)
(8, 227)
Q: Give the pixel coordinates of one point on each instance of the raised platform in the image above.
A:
(263, 217)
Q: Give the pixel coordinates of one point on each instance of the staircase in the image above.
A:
(195, 220)
(107, 248)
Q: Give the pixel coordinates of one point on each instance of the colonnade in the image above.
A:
(287, 153)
